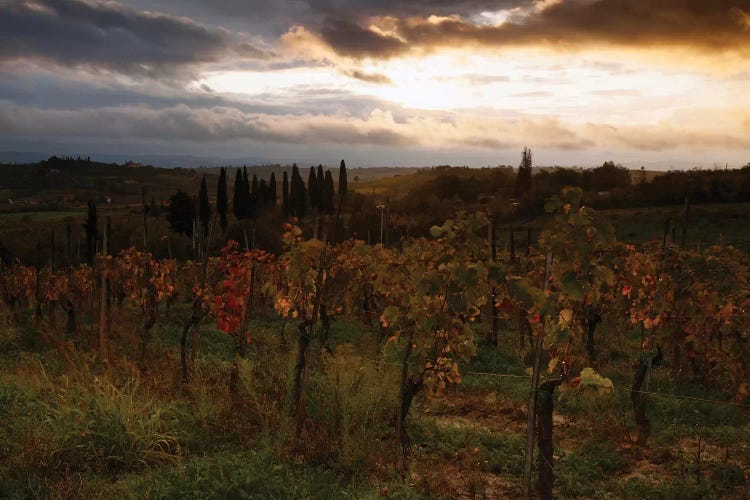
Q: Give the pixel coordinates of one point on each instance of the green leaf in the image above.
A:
(591, 379)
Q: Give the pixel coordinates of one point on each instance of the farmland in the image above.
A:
(283, 357)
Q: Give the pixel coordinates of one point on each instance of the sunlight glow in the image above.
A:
(575, 89)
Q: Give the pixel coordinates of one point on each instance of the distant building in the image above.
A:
(132, 164)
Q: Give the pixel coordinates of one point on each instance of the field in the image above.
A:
(428, 368)
(95, 430)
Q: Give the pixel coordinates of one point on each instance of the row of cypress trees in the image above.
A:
(251, 198)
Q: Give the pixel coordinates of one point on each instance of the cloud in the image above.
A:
(219, 124)
(374, 78)
(711, 27)
(351, 39)
(109, 36)
(666, 137)
(380, 128)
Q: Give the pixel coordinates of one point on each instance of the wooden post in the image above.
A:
(493, 292)
(512, 244)
(387, 220)
(103, 305)
(145, 218)
(52, 248)
(67, 253)
(666, 237)
(530, 421)
(685, 222)
(38, 290)
(108, 251)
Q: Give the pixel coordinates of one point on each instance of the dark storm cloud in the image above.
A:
(278, 15)
(414, 8)
(109, 36)
(351, 39)
(707, 26)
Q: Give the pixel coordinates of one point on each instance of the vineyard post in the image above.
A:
(666, 237)
(493, 292)
(382, 221)
(685, 222)
(512, 244)
(52, 247)
(529, 450)
(387, 220)
(67, 247)
(145, 218)
(109, 232)
(38, 291)
(102, 306)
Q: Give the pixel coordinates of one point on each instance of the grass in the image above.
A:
(255, 473)
(97, 430)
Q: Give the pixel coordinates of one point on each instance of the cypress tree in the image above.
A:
(237, 197)
(320, 189)
(262, 194)
(293, 191)
(221, 198)
(343, 188)
(272, 189)
(254, 188)
(285, 194)
(523, 179)
(248, 205)
(328, 191)
(302, 208)
(312, 188)
(204, 209)
(298, 192)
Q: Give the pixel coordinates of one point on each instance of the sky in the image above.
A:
(655, 83)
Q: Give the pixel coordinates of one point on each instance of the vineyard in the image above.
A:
(449, 366)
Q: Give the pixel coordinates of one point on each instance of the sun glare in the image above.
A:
(577, 89)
